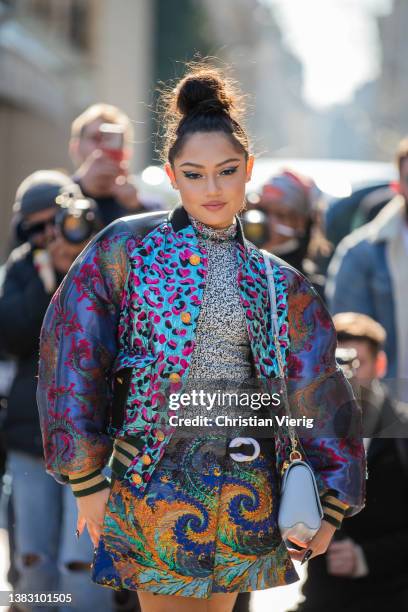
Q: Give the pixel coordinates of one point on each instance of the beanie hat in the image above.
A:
(292, 190)
(39, 190)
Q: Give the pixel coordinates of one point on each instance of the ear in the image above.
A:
(249, 167)
(170, 174)
(381, 364)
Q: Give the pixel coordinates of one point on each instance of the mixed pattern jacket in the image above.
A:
(117, 338)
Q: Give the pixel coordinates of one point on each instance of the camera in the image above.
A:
(348, 361)
(113, 140)
(255, 226)
(76, 217)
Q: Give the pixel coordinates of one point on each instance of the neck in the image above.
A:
(212, 226)
(216, 233)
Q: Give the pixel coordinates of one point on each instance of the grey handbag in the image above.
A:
(300, 510)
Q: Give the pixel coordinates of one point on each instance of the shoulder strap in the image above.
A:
(274, 313)
(275, 326)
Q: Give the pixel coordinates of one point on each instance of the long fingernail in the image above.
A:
(77, 533)
(306, 556)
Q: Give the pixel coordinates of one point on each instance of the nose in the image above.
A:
(49, 231)
(212, 186)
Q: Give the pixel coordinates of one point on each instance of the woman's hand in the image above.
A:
(318, 544)
(91, 512)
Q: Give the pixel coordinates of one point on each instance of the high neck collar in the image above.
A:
(211, 233)
(179, 220)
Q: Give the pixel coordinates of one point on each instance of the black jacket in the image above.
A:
(23, 302)
(381, 529)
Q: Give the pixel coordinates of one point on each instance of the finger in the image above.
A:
(96, 154)
(342, 545)
(121, 180)
(340, 560)
(341, 564)
(297, 555)
(298, 542)
(319, 543)
(317, 550)
(343, 560)
(343, 570)
(308, 555)
(338, 557)
(108, 168)
(339, 552)
(81, 522)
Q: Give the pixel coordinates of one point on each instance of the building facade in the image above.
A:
(56, 58)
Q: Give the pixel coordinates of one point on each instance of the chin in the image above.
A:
(216, 219)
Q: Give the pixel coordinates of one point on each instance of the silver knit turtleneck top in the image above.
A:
(222, 349)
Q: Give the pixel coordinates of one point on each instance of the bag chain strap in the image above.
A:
(295, 454)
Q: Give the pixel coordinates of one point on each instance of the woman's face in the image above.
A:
(210, 174)
(284, 223)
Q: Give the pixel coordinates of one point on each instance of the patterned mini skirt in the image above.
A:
(207, 523)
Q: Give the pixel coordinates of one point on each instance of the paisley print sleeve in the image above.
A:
(319, 390)
(77, 346)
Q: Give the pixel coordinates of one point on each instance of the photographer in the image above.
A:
(101, 149)
(285, 219)
(47, 555)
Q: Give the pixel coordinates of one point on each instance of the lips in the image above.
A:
(214, 205)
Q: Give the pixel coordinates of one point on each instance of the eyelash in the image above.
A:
(195, 175)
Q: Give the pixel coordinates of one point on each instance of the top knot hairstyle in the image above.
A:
(203, 101)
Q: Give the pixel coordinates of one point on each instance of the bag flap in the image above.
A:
(300, 501)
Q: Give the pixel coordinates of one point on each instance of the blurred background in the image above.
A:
(327, 99)
(321, 74)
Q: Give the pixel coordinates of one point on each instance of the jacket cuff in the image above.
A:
(85, 483)
(334, 510)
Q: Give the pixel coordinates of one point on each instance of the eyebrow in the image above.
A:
(226, 161)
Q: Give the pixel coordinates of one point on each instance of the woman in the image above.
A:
(157, 303)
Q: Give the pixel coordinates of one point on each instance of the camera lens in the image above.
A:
(255, 226)
(77, 228)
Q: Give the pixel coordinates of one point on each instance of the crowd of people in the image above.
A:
(362, 282)
(45, 554)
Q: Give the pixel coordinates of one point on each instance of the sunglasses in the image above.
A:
(32, 229)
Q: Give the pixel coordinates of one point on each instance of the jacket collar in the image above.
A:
(179, 220)
(388, 223)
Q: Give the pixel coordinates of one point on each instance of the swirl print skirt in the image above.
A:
(207, 523)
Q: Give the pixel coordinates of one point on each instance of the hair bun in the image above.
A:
(204, 100)
(203, 92)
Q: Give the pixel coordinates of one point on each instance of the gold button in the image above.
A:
(137, 479)
(146, 459)
(174, 377)
(186, 317)
(160, 435)
(194, 260)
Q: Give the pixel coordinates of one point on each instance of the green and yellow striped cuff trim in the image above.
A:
(87, 483)
(330, 499)
(334, 510)
(124, 452)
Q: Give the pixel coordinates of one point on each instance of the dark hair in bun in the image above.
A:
(203, 101)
